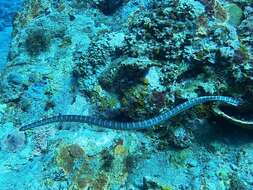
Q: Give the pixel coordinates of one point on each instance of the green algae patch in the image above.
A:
(92, 172)
(68, 155)
(72, 160)
(181, 158)
(167, 188)
(120, 150)
(98, 183)
(235, 14)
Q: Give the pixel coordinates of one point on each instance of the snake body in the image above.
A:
(132, 125)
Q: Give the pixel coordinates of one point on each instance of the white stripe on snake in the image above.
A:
(132, 125)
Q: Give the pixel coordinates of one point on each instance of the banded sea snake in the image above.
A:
(132, 125)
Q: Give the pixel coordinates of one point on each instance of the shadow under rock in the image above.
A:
(224, 132)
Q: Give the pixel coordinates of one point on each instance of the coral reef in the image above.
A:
(68, 155)
(126, 60)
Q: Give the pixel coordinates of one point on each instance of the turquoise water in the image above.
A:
(5, 37)
(126, 95)
(7, 11)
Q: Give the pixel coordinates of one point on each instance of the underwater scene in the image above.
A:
(126, 94)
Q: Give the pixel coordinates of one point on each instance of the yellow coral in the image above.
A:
(67, 156)
(120, 149)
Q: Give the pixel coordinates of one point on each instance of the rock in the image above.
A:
(150, 183)
(181, 138)
(236, 183)
(248, 124)
(108, 7)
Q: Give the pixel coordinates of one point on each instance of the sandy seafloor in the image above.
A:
(126, 60)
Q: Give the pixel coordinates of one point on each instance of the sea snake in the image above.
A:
(131, 125)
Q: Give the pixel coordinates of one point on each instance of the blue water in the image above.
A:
(8, 9)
